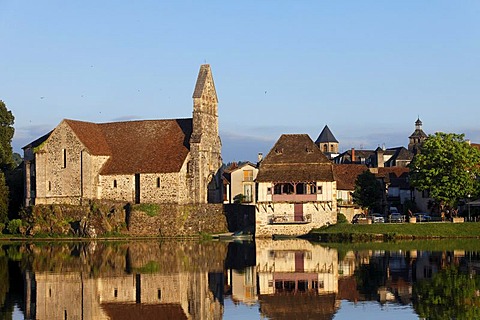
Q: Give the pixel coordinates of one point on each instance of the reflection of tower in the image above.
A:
(244, 285)
(416, 138)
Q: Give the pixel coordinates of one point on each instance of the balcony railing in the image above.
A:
(289, 219)
(294, 197)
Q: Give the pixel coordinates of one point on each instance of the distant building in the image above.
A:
(156, 161)
(417, 137)
(327, 143)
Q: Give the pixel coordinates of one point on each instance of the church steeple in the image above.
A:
(327, 142)
(417, 137)
(205, 144)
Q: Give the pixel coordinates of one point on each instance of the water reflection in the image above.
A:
(285, 279)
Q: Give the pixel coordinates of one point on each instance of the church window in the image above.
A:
(158, 182)
(49, 186)
(325, 148)
(115, 183)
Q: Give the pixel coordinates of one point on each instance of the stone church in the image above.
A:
(150, 161)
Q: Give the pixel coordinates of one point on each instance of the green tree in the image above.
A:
(447, 167)
(6, 134)
(3, 200)
(368, 191)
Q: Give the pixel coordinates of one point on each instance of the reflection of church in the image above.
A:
(140, 282)
(182, 295)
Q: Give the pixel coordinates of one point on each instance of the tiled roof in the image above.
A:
(135, 311)
(346, 174)
(295, 158)
(148, 146)
(326, 136)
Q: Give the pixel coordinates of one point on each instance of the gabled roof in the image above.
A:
(326, 136)
(346, 175)
(148, 146)
(295, 157)
(38, 141)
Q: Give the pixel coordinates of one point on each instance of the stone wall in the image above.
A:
(320, 214)
(173, 220)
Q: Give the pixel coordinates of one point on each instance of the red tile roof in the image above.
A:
(346, 175)
(295, 158)
(148, 146)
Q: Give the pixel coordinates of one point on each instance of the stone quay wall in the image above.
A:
(172, 220)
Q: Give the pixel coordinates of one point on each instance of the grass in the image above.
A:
(150, 209)
(393, 231)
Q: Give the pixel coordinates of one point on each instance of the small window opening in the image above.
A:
(115, 292)
(64, 158)
(158, 182)
(49, 186)
(159, 294)
(115, 183)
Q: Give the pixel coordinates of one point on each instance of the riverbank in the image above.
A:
(394, 231)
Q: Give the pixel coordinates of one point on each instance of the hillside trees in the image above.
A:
(368, 191)
(448, 167)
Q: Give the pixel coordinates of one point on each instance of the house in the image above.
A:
(155, 161)
(239, 182)
(345, 176)
(296, 188)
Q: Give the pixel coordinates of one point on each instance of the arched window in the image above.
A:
(325, 148)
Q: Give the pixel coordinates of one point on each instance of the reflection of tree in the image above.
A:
(3, 278)
(369, 278)
(448, 295)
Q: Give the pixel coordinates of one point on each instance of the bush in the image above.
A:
(341, 218)
(14, 226)
(2, 226)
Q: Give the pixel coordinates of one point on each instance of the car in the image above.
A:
(377, 218)
(396, 217)
(422, 217)
(359, 217)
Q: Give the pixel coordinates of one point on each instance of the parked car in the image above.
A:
(423, 217)
(359, 217)
(397, 217)
(377, 218)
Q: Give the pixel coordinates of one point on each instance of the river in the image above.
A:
(265, 279)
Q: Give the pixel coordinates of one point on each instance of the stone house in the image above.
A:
(345, 175)
(240, 180)
(296, 188)
(150, 161)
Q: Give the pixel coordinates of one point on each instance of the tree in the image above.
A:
(368, 191)
(3, 200)
(447, 166)
(6, 134)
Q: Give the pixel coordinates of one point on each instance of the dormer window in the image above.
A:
(279, 150)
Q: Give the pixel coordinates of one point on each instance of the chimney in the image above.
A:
(260, 157)
(353, 155)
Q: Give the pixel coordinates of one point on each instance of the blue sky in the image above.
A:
(367, 69)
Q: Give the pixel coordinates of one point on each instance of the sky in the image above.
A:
(367, 69)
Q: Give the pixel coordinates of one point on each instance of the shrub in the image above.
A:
(341, 218)
(14, 226)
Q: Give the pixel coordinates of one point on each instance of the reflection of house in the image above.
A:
(296, 188)
(240, 183)
(169, 161)
(244, 285)
(296, 279)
